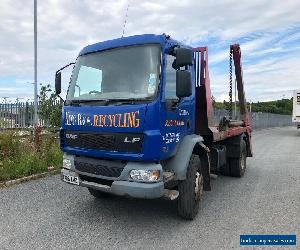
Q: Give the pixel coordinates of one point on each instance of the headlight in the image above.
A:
(144, 175)
(67, 163)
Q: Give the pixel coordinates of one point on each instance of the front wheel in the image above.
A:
(190, 190)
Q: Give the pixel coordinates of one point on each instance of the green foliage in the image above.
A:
(19, 158)
(4, 122)
(284, 106)
(50, 106)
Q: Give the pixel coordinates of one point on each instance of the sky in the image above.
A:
(268, 32)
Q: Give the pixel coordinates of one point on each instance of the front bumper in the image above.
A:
(122, 186)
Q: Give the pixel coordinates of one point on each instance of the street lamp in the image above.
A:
(35, 66)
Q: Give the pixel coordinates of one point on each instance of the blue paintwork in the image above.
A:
(152, 116)
(127, 41)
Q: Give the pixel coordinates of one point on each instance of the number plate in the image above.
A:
(71, 179)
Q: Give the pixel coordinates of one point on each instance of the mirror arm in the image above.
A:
(64, 67)
(62, 99)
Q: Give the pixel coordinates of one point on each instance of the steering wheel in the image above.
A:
(95, 92)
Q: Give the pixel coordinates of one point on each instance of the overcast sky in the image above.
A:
(268, 31)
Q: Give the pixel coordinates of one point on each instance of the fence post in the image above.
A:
(27, 114)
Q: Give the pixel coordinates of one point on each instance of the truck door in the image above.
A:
(175, 114)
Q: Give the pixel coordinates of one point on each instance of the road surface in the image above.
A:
(49, 214)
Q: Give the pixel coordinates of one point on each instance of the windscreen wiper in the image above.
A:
(106, 102)
(131, 100)
(78, 102)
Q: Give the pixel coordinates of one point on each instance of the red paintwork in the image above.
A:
(204, 109)
(236, 52)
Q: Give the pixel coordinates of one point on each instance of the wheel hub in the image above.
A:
(198, 186)
(243, 162)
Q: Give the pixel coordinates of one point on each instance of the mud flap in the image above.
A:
(206, 173)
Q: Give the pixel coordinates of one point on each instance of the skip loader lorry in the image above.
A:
(138, 121)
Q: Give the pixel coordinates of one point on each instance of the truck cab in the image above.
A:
(129, 122)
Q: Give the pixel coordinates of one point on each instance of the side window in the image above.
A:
(170, 88)
(89, 79)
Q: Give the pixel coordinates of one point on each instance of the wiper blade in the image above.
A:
(131, 100)
(87, 100)
(77, 101)
(108, 101)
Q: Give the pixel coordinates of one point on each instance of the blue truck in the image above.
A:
(138, 121)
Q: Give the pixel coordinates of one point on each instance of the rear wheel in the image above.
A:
(225, 169)
(98, 194)
(190, 190)
(238, 165)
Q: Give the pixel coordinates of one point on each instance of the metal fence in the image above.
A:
(260, 120)
(267, 120)
(21, 115)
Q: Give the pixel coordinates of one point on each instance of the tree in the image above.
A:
(50, 106)
(284, 106)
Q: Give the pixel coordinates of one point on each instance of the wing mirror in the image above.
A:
(183, 83)
(58, 83)
(58, 79)
(184, 57)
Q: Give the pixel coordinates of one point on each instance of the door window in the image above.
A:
(170, 87)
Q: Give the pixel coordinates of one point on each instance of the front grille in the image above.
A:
(122, 142)
(108, 168)
(90, 140)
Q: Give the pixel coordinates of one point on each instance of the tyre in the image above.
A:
(98, 194)
(238, 165)
(225, 169)
(190, 190)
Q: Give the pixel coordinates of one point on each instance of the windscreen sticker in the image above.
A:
(152, 79)
(151, 83)
(122, 120)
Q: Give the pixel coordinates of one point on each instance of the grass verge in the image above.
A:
(19, 157)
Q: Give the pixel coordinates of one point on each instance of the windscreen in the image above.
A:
(124, 73)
